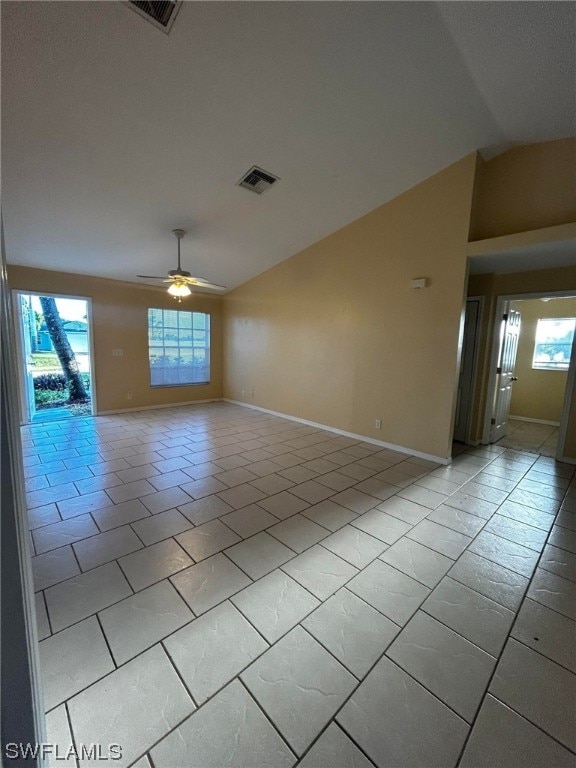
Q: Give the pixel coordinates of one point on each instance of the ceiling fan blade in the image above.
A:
(205, 284)
(151, 277)
(180, 276)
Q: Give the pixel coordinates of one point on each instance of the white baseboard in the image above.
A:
(155, 407)
(535, 421)
(354, 435)
(567, 460)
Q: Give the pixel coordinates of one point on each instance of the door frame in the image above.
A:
(27, 409)
(22, 706)
(568, 397)
(491, 388)
(475, 363)
(20, 348)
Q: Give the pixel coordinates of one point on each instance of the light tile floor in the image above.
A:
(530, 436)
(221, 587)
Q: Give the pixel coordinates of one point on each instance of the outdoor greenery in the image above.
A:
(59, 338)
(58, 356)
(179, 347)
(52, 381)
(79, 409)
(47, 361)
(168, 360)
(45, 398)
(57, 381)
(51, 391)
(553, 345)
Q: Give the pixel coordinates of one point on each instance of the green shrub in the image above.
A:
(56, 382)
(50, 397)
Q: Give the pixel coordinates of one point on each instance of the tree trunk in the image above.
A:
(63, 349)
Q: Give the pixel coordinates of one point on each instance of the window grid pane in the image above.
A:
(553, 343)
(179, 347)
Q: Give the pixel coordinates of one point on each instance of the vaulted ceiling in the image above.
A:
(114, 133)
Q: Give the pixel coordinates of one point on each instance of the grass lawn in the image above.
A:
(45, 361)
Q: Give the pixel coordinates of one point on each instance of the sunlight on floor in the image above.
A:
(531, 437)
(218, 586)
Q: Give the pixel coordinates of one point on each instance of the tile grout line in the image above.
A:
(360, 681)
(135, 532)
(195, 563)
(47, 614)
(175, 667)
(505, 645)
(544, 656)
(266, 715)
(258, 632)
(331, 532)
(336, 724)
(195, 616)
(72, 736)
(112, 657)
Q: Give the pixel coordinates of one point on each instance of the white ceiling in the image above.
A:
(115, 133)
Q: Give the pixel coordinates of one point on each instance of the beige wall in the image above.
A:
(538, 394)
(336, 335)
(491, 286)
(120, 320)
(526, 188)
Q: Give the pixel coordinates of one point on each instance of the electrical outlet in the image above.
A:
(128, 395)
(378, 423)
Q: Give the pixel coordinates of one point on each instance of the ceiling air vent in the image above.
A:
(257, 180)
(161, 13)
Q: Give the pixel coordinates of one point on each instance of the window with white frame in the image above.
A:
(179, 347)
(553, 343)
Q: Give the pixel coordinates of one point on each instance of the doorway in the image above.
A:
(55, 354)
(531, 377)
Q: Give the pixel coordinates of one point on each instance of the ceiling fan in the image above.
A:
(180, 280)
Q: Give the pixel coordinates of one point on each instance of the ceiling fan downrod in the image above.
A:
(179, 234)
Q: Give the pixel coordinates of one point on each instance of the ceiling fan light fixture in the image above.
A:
(179, 278)
(179, 289)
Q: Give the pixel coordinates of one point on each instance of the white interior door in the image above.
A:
(510, 333)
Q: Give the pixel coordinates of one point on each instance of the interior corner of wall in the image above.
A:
(473, 227)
